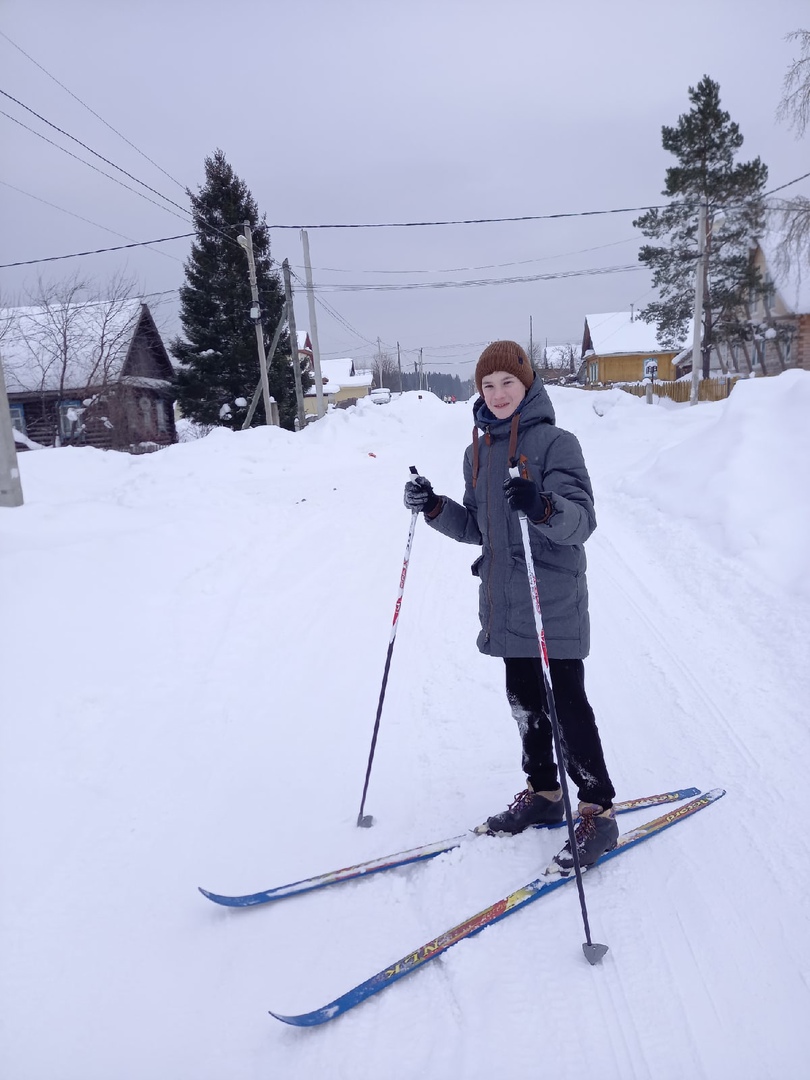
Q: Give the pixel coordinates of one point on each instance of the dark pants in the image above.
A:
(582, 748)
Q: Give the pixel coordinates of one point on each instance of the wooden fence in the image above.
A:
(708, 389)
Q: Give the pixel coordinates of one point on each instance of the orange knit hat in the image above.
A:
(504, 356)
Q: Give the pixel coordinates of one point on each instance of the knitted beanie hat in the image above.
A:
(504, 356)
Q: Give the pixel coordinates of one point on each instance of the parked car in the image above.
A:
(381, 395)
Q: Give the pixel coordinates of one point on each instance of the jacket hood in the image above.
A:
(536, 408)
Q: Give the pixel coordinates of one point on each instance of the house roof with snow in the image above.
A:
(304, 343)
(620, 333)
(340, 374)
(70, 347)
(791, 275)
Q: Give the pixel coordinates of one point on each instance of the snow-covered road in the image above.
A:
(192, 650)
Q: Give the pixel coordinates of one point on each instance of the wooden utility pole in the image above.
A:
(299, 390)
(531, 344)
(700, 278)
(313, 327)
(10, 486)
(273, 346)
(399, 368)
(246, 241)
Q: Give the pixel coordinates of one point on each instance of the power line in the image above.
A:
(90, 165)
(97, 251)
(335, 314)
(486, 266)
(497, 220)
(94, 152)
(86, 106)
(479, 282)
(790, 183)
(473, 221)
(123, 236)
(140, 194)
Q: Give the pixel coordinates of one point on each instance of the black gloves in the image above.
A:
(419, 495)
(524, 495)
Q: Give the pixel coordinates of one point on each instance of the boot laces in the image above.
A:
(521, 800)
(586, 826)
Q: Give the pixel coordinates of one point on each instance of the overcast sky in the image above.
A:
(356, 111)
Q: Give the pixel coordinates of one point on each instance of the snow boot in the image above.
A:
(596, 833)
(530, 807)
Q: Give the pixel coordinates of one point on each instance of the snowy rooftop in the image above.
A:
(622, 332)
(99, 335)
(339, 373)
(301, 337)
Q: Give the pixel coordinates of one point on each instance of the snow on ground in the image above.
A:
(192, 651)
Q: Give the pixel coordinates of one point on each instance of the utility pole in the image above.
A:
(313, 327)
(531, 344)
(399, 368)
(700, 277)
(246, 241)
(273, 346)
(10, 486)
(379, 362)
(421, 371)
(299, 389)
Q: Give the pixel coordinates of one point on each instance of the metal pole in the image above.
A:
(593, 952)
(365, 821)
(10, 486)
(299, 389)
(313, 327)
(699, 280)
(246, 241)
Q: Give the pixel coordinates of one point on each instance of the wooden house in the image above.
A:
(778, 321)
(618, 346)
(90, 374)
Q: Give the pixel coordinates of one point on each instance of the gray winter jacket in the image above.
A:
(553, 459)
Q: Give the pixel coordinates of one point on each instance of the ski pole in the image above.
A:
(365, 821)
(593, 952)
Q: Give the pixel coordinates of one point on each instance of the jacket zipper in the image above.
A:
(488, 441)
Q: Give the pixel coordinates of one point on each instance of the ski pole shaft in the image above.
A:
(365, 821)
(592, 952)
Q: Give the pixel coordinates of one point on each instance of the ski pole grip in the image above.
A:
(414, 470)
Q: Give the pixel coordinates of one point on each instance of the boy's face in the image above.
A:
(503, 393)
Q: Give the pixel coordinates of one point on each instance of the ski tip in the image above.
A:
(593, 952)
(226, 901)
(306, 1019)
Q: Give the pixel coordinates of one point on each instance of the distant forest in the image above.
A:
(441, 385)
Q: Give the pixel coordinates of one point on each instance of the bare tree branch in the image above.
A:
(795, 104)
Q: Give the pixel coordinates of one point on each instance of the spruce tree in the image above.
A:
(218, 353)
(705, 142)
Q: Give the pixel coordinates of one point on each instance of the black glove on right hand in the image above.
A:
(420, 496)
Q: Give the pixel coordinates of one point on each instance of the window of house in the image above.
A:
(593, 375)
(162, 415)
(70, 418)
(145, 406)
(18, 418)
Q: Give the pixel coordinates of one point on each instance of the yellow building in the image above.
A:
(342, 385)
(618, 346)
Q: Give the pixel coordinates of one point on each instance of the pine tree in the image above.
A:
(218, 354)
(705, 142)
